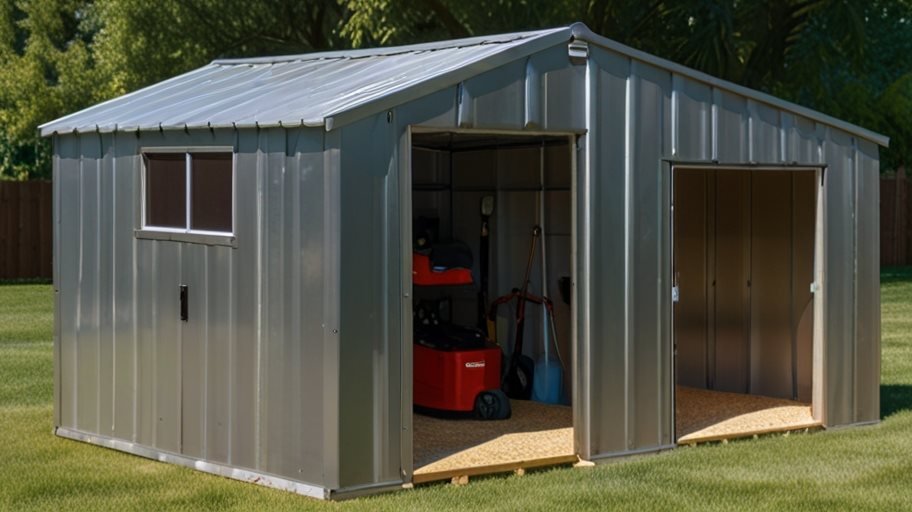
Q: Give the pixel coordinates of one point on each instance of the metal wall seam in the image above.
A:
(675, 105)
(855, 181)
(533, 95)
(716, 99)
(630, 120)
(331, 303)
(55, 269)
(584, 427)
(406, 451)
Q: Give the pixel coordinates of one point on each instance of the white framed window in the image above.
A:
(188, 195)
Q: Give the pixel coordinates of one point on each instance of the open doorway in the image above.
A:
(491, 222)
(744, 318)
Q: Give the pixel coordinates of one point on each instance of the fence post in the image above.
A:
(900, 213)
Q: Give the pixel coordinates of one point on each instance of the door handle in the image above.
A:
(183, 303)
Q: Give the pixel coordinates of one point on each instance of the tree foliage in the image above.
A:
(847, 58)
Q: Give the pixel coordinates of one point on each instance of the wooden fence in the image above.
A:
(895, 225)
(25, 229)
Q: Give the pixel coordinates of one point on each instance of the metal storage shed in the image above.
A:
(293, 365)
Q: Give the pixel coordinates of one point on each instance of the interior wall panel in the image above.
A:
(731, 357)
(771, 285)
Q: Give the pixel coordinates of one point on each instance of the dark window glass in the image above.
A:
(210, 201)
(166, 190)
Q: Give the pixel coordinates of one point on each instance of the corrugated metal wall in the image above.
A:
(295, 360)
(239, 382)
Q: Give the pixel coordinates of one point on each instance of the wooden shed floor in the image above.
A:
(537, 434)
(702, 415)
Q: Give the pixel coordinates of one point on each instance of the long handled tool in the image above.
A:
(517, 380)
(487, 208)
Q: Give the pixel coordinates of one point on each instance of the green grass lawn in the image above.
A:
(866, 468)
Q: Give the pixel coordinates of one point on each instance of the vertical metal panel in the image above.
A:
(561, 82)
(332, 371)
(648, 287)
(437, 109)
(66, 260)
(497, 98)
(194, 338)
(309, 267)
(771, 292)
(146, 309)
(691, 266)
(840, 268)
(106, 278)
(692, 120)
(55, 270)
(804, 222)
(124, 174)
(800, 138)
(244, 343)
(765, 135)
(291, 435)
(607, 360)
(730, 121)
(867, 283)
(272, 336)
(87, 318)
(369, 362)
(220, 319)
(168, 341)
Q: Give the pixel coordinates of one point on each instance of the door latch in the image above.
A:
(183, 303)
(675, 294)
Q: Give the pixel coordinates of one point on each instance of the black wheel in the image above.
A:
(492, 404)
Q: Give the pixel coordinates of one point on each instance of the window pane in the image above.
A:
(210, 202)
(166, 190)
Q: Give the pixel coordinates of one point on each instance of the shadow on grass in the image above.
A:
(895, 274)
(30, 280)
(895, 398)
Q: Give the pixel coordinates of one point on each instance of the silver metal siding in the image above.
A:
(369, 419)
(608, 362)
(295, 364)
(130, 369)
(839, 334)
(88, 301)
(867, 283)
(124, 272)
(66, 262)
(648, 288)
